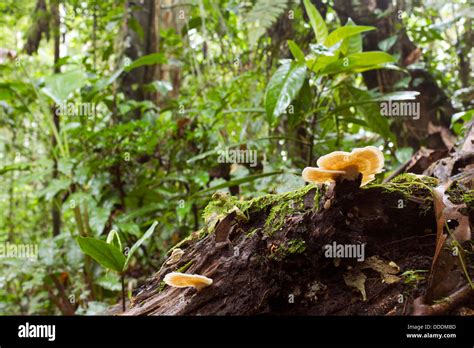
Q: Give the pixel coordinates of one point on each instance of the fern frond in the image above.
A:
(262, 16)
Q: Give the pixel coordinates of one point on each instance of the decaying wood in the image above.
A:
(256, 272)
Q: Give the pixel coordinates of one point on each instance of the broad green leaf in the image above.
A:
(296, 51)
(352, 44)
(150, 59)
(316, 21)
(59, 86)
(363, 60)
(105, 254)
(371, 58)
(282, 89)
(137, 244)
(344, 32)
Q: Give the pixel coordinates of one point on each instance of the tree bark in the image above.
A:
(56, 204)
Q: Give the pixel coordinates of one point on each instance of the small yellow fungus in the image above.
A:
(183, 280)
(368, 161)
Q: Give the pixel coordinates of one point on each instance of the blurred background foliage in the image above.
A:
(170, 84)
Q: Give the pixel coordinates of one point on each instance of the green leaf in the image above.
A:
(59, 86)
(322, 56)
(137, 244)
(363, 61)
(344, 32)
(282, 89)
(150, 59)
(105, 254)
(113, 238)
(351, 44)
(296, 51)
(262, 16)
(386, 44)
(316, 21)
(15, 166)
(371, 113)
(54, 187)
(463, 115)
(104, 82)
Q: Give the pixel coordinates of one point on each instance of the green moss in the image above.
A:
(468, 198)
(408, 184)
(293, 246)
(417, 188)
(281, 205)
(459, 195)
(261, 203)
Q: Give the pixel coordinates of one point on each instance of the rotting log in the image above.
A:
(267, 255)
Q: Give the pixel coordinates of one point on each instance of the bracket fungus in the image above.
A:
(367, 160)
(183, 280)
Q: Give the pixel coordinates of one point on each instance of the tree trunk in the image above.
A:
(56, 204)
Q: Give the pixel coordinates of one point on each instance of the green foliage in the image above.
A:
(283, 88)
(108, 255)
(149, 59)
(232, 76)
(60, 86)
(138, 243)
(262, 15)
(317, 22)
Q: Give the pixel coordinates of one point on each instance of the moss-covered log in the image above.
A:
(268, 255)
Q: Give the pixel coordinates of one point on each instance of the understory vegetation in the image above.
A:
(127, 127)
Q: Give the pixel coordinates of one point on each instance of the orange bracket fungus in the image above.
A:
(183, 280)
(368, 161)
